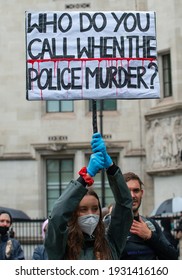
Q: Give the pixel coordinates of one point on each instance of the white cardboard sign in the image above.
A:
(91, 55)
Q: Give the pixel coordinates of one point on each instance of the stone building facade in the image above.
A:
(145, 136)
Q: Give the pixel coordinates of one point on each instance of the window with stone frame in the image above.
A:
(165, 60)
(59, 106)
(107, 105)
(59, 172)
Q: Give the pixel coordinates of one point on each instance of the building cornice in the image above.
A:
(165, 171)
(162, 110)
(61, 148)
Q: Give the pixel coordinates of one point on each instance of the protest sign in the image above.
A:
(91, 55)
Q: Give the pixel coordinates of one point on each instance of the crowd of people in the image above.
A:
(80, 229)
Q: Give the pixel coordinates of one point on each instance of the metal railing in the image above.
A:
(29, 234)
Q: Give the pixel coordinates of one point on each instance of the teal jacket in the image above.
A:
(122, 217)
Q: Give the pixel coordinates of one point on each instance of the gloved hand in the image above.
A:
(98, 145)
(96, 163)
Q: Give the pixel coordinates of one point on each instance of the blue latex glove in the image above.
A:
(96, 163)
(98, 145)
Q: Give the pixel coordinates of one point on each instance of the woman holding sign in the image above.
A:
(75, 229)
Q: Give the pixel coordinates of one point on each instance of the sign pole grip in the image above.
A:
(94, 116)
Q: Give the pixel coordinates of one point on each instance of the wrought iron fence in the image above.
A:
(29, 234)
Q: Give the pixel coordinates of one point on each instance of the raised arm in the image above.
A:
(122, 215)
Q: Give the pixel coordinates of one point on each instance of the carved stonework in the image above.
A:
(164, 142)
(57, 147)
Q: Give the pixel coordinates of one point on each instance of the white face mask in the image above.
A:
(88, 223)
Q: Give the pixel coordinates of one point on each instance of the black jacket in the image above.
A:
(157, 247)
(16, 250)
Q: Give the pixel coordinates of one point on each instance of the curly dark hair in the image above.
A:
(75, 240)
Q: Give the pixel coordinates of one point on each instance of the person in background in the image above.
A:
(10, 248)
(178, 236)
(40, 252)
(178, 230)
(107, 217)
(75, 229)
(167, 231)
(105, 211)
(146, 240)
